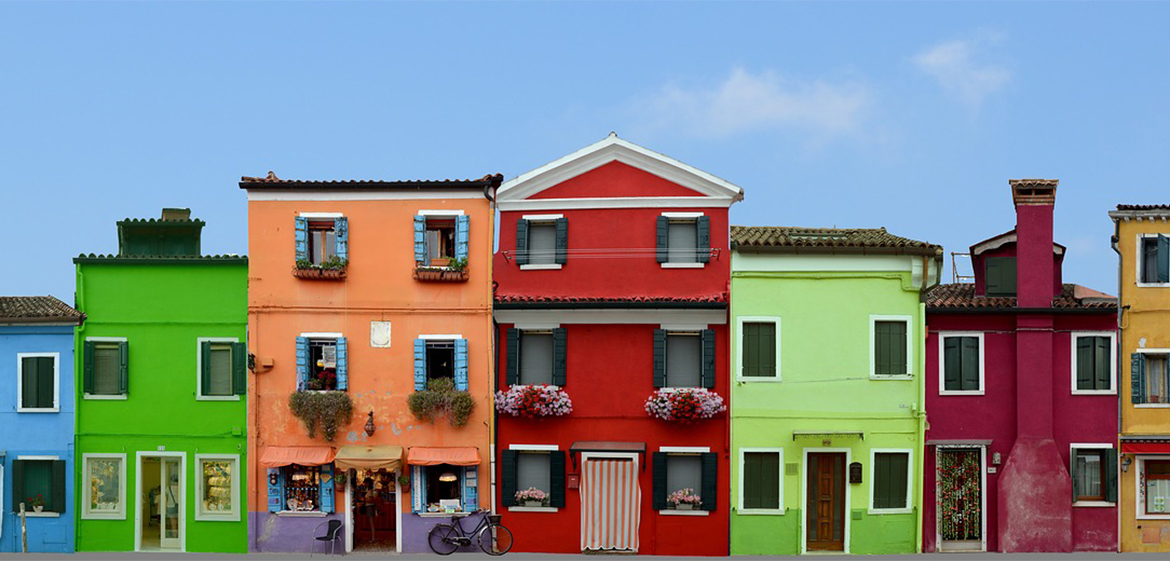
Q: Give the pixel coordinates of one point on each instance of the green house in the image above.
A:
(826, 409)
(161, 383)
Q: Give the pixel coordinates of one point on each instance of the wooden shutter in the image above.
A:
(890, 347)
(1084, 363)
(707, 374)
(420, 240)
(1163, 258)
(419, 494)
(952, 363)
(709, 493)
(658, 481)
(1000, 276)
(703, 249)
(969, 376)
(661, 239)
(462, 237)
(87, 367)
(275, 490)
(1137, 378)
(1102, 362)
(560, 358)
(124, 368)
(46, 385)
(205, 368)
(302, 354)
(18, 485)
(521, 242)
(240, 368)
(562, 244)
(341, 237)
(470, 488)
(325, 488)
(1072, 473)
(1110, 483)
(302, 238)
(889, 484)
(556, 478)
(57, 488)
(660, 358)
(461, 381)
(342, 364)
(420, 365)
(512, 357)
(508, 475)
(750, 350)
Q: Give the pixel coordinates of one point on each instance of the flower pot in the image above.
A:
(684, 506)
(439, 275)
(38, 508)
(533, 504)
(319, 274)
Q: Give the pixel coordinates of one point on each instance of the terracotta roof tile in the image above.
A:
(791, 237)
(720, 298)
(13, 309)
(962, 296)
(271, 181)
(1143, 207)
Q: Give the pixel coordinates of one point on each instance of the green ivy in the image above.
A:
(441, 398)
(328, 410)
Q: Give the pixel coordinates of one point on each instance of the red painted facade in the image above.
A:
(609, 361)
(1027, 418)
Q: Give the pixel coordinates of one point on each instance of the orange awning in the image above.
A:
(425, 456)
(369, 457)
(279, 456)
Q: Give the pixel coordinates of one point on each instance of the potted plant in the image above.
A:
(685, 405)
(439, 399)
(332, 268)
(534, 401)
(404, 483)
(531, 497)
(684, 499)
(37, 503)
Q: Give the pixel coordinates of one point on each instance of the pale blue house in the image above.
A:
(37, 423)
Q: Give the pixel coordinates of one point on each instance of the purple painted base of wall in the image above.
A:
(270, 533)
(415, 530)
(1035, 499)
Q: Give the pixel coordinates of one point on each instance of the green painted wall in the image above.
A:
(824, 304)
(161, 307)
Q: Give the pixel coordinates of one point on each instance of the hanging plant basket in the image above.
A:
(439, 274)
(534, 401)
(439, 399)
(328, 410)
(684, 405)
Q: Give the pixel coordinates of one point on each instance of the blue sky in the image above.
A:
(911, 116)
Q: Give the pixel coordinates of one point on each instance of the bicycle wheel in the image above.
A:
(495, 539)
(442, 539)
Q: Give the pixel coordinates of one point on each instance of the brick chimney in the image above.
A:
(1035, 264)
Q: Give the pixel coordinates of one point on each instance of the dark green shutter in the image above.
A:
(703, 225)
(1085, 363)
(87, 367)
(124, 369)
(952, 363)
(1000, 276)
(522, 242)
(1102, 362)
(556, 478)
(766, 341)
(707, 375)
(662, 243)
(889, 483)
(749, 350)
(660, 358)
(240, 368)
(57, 484)
(1163, 259)
(1072, 473)
(512, 356)
(562, 241)
(1110, 482)
(18, 486)
(762, 480)
(658, 481)
(970, 363)
(890, 347)
(710, 491)
(559, 357)
(205, 367)
(508, 475)
(1137, 379)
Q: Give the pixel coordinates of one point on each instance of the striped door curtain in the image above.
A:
(610, 502)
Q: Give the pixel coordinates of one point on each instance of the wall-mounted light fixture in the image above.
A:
(1125, 461)
(370, 427)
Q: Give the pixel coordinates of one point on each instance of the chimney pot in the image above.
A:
(176, 214)
(1034, 191)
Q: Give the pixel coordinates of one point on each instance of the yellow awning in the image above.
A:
(369, 457)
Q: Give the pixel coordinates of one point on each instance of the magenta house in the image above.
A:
(1021, 398)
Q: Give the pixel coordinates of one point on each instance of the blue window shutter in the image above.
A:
(1163, 258)
(302, 238)
(521, 242)
(341, 235)
(461, 382)
(470, 488)
(418, 489)
(275, 490)
(462, 236)
(302, 362)
(342, 365)
(326, 488)
(703, 226)
(420, 365)
(420, 239)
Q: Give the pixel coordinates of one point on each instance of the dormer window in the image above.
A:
(1000, 276)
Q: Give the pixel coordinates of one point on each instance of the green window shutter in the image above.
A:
(521, 242)
(240, 368)
(889, 484)
(1137, 378)
(556, 478)
(508, 475)
(707, 375)
(766, 339)
(18, 485)
(1102, 362)
(890, 347)
(1163, 258)
(562, 241)
(45, 382)
(750, 350)
(205, 367)
(710, 491)
(658, 481)
(970, 363)
(1000, 276)
(761, 480)
(1110, 483)
(560, 337)
(660, 359)
(1072, 473)
(57, 484)
(87, 367)
(29, 380)
(661, 239)
(1084, 363)
(512, 368)
(992, 277)
(703, 226)
(952, 363)
(124, 368)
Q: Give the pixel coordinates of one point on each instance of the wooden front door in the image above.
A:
(825, 502)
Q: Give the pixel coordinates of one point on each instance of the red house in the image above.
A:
(1021, 399)
(611, 290)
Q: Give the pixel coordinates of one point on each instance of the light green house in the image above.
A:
(161, 393)
(826, 409)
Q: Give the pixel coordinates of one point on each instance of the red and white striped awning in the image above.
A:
(610, 502)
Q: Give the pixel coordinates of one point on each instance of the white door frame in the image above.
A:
(349, 512)
(982, 494)
(804, 494)
(586, 456)
(139, 456)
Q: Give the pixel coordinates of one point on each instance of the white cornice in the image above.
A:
(614, 202)
(339, 195)
(613, 317)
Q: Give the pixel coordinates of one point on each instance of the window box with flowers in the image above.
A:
(441, 245)
(684, 404)
(450, 270)
(534, 401)
(322, 246)
(684, 499)
(532, 498)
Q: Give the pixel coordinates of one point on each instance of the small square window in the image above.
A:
(107, 369)
(1156, 377)
(322, 241)
(440, 359)
(302, 488)
(533, 472)
(1157, 492)
(38, 382)
(536, 357)
(38, 482)
(542, 243)
(684, 360)
(444, 483)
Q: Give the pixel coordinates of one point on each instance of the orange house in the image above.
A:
(362, 294)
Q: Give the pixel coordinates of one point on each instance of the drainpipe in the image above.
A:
(79, 336)
(1113, 244)
(928, 282)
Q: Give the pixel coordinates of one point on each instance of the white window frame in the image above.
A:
(20, 408)
(942, 363)
(120, 397)
(320, 216)
(1139, 494)
(909, 320)
(199, 368)
(739, 321)
(1072, 451)
(873, 452)
(1112, 361)
(684, 216)
(200, 514)
(544, 220)
(86, 513)
(740, 479)
(521, 341)
(698, 332)
(684, 451)
(534, 448)
(1137, 279)
(441, 212)
(1152, 351)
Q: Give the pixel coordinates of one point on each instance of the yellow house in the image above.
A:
(1142, 239)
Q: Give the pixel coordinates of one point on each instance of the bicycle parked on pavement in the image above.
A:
(493, 537)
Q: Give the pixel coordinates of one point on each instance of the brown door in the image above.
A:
(825, 502)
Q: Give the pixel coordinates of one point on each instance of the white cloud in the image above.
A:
(747, 102)
(960, 67)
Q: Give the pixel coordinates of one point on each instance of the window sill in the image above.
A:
(217, 398)
(439, 274)
(319, 274)
(441, 514)
(541, 267)
(751, 379)
(760, 512)
(881, 511)
(104, 516)
(217, 517)
(1151, 405)
(1094, 504)
(533, 509)
(1154, 516)
(1094, 392)
(669, 265)
(957, 393)
(122, 397)
(891, 377)
(301, 514)
(673, 512)
(29, 514)
(1153, 285)
(38, 410)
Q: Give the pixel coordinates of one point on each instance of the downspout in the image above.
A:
(78, 337)
(928, 282)
(489, 192)
(1120, 310)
